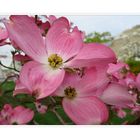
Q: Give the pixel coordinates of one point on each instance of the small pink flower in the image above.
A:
(18, 115)
(80, 101)
(22, 58)
(21, 115)
(41, 108)
(118, 70)
(121, 113)
(3, 36)
(63, 48)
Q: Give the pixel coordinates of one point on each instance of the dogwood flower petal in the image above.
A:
(117, 95)
(39, 78)
(24, 32)
(87, 110)
(92, 54)
(21, 115)
(61, 41)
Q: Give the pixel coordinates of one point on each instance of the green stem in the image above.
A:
(58, 116)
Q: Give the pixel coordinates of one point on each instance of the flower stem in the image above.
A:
(58, 116)
(56, 113)
(8, 67)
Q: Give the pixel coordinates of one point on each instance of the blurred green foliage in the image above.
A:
(97, 37)
(134, 65)
(115, 120)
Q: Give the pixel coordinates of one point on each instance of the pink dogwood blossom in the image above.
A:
(63, 48)
(118, 70)
(41, 108)
(17, 115)
(80, 101)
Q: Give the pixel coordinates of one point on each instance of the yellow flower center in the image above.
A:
(55, 61)
(70, 92)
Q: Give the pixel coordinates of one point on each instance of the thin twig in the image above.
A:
(56, 113)
(58, 116)
(8, 67)
(53, 100)
(36, 123)
(14, 65)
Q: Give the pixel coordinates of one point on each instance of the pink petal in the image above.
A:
(21, 115)
(91, 54)
(6, 111)
(87, 110)
(117, 95)
(3, 34)
(87, 82)
(51, 19)
(20, 89)
(61, 41)
(39, 78)
(24, 74)
(116, 67)
(24, 32)
(21, 58)
(41, 108)
(92, 79)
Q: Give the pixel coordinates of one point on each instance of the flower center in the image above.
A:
(70, 92)
(55, 61)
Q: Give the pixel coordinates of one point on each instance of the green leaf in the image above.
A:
(8, 86)
(115, 120)
(64, 116)
(48, 118)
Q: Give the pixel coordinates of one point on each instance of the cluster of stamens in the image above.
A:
(55, 61)
(70, 92)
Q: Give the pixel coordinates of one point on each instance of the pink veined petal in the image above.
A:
(39, 78)
(73, 79)
(62, 20)
(51, 19)
(117, 95)
(24, 32)
(92, 54)
(24, 74)
(21, 115)
(61, 41)
(20, 89)
(47, 80)
(86, 110)
(50, 84)
(93, 79)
